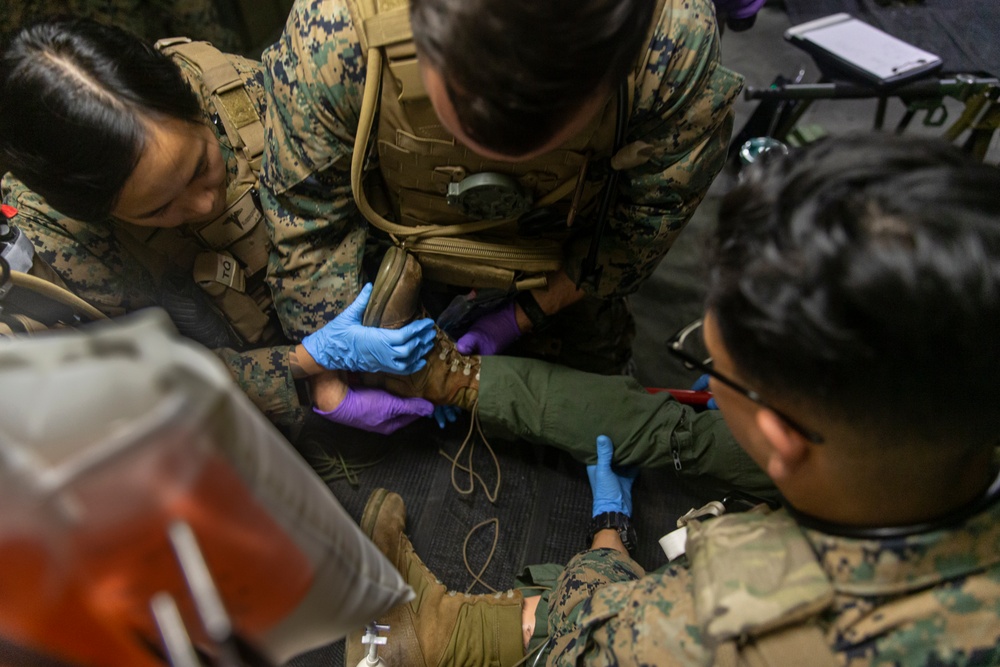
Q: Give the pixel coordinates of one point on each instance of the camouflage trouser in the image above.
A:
(552, 405)
(551, 615)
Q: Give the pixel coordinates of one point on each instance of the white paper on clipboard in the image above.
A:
(870, 52)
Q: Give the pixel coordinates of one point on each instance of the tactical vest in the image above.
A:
(227, 256)
(469, 220)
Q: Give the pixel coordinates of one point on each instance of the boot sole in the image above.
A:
(389, 274)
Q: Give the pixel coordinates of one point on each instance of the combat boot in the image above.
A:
(395, 295)
(438, 627)
(449, 378)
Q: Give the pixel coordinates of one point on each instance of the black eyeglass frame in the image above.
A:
(674, 344)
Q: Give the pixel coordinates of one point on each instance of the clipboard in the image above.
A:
(862, 50)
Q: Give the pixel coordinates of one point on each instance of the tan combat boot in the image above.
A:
(395, 295)
(438, 627)
(449, 378)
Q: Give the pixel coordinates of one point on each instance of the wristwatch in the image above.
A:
(620, 522)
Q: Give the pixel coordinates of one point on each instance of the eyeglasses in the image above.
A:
(702, 361)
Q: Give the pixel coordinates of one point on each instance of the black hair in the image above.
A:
(73, 95)
(517, 70)
(861, 278)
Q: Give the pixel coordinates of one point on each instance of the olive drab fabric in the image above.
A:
(119, 268)
(679, 126)
(550, 404)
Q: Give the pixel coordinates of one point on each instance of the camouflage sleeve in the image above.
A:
(681, 123)
(87, 257)
(265, 376)
(603, 611)
(314, 78)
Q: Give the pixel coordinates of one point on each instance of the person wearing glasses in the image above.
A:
(852, 315)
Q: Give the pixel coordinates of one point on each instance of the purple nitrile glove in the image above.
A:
(491, 333)
(376, 410)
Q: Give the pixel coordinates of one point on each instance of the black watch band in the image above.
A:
(617, 521)
(303, 388)
(539, 320)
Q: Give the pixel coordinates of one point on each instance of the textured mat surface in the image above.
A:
(541, 512)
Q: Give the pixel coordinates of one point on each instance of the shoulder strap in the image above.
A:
(232, 102)
(380, 25)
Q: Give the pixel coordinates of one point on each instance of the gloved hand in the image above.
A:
(377, 410)
(491, 333)
(701, 384)
(612, 490)
(446, 414)
(346, 344)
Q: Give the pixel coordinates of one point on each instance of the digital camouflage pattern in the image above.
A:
(96, 267)
(927, 599)
(680, 124)
(150, 19)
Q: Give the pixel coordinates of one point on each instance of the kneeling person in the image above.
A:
(853, 307)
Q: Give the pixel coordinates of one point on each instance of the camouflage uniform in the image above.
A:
(680, 123)
(926, 599)
(525, 399)
(98, 268)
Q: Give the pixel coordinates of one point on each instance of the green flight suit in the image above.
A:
(553, 405)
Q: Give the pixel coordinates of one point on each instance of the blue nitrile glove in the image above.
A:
(701, 384)
(346, 344)
(446, 414)
(377, 410)
(612, 490)
(491, 333)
